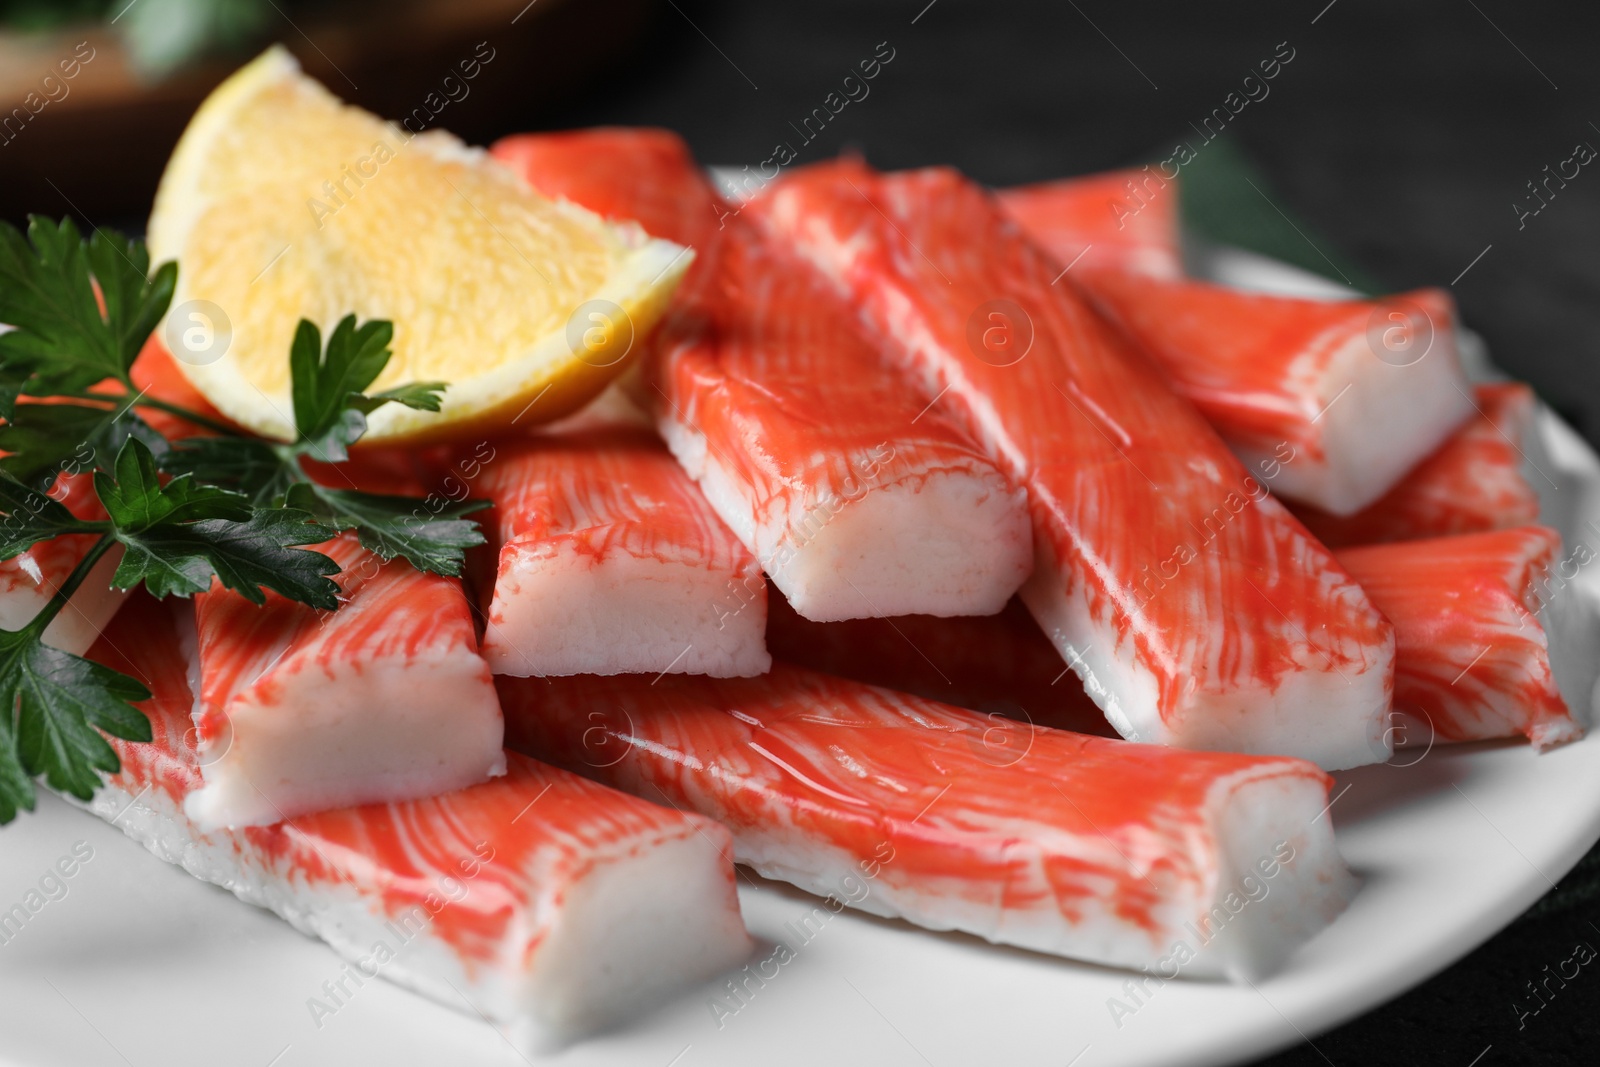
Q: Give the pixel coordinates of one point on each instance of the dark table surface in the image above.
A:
(1403, 134)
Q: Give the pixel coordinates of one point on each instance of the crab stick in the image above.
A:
(1334, 401)
(610, 560)
(1097, 849)
(1484, 477)
(539, 900)
(617, 172)
(856, 499)
(1195, 609)
(1001, 665)
(1122, 219)
(302, 710)
(1491, 641)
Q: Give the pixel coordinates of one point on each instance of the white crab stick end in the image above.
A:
(929, 539)
(1380, 418)
(299, 710)
(1332, 402)
(1486, 476)
(544, 902)
(612, 562)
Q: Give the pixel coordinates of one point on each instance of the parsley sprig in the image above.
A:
(61, 345)
(330, 414)
(222, 508)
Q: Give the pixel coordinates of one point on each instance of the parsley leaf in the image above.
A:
(135, 499)
(52, 285)
(53, 705)
(330, 412)
(49, 298)
(16, 787)
(258, 469)
(397, 526)
(135, 300)
(177, 536)
(330, 405)
(44, 440)
(324, 383)
(419, 396)
(31, 516)
(58, 700)
(61, 343)
(247, 557)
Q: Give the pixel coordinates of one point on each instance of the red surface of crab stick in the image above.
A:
(1085, 847)
(1333, 400)
(856, 500)
(1484, 477)
(1491, 641)
(1197, 611)
(1122, 219)
(621, 172)
(301, 710)
(611, 561)
(546, 902)
(1001, 665)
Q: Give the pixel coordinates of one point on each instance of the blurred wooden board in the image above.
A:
(97, 149)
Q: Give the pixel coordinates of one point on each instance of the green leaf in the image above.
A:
(330, 405)
(16, 788)
(323, 383)
(61, 343)
(393, 526)
(333, 446)
(45, 293)
(9, 392)
(419, 396)
(135, 299)
(136, 500)
(178, 536)
(256, 468)
(246, 557)
(31, 516)
(44, 440)
(61, 702)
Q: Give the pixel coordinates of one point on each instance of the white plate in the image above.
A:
(140, 964)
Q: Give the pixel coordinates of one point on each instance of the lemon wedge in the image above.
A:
(282, 203)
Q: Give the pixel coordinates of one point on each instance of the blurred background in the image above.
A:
(1403, 136)
(1401, 145)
